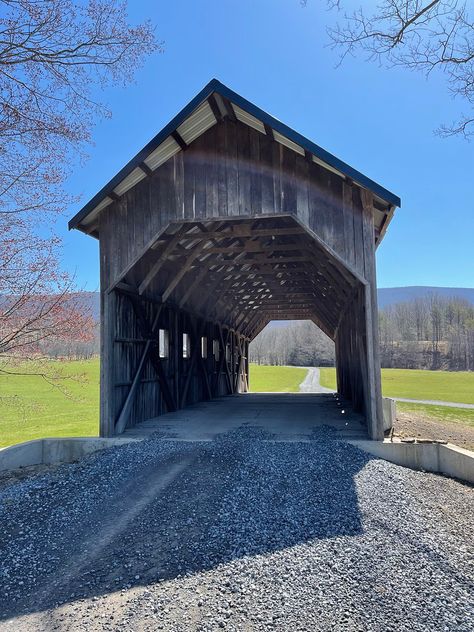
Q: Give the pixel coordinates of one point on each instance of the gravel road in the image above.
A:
(311, 383)
(239, 533)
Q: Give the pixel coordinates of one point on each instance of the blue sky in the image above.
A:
(273, 52)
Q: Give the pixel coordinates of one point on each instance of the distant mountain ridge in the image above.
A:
(391, 295)
(386, 296)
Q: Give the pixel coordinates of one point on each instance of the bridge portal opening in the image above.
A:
(292, 343)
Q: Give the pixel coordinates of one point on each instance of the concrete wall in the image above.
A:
(389, 412)
(51, 450)
(430, 457)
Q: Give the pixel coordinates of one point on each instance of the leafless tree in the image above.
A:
(422, 35)
(298, 343)
(55, 56)
(429, 333)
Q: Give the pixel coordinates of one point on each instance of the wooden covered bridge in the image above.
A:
(226, 220)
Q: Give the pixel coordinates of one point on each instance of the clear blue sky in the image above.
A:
(275, 53)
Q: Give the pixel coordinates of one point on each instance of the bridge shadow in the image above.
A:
(152, 511)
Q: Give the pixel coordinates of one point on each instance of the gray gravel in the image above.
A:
(241, 533)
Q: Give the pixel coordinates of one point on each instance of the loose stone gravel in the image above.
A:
(240, 533)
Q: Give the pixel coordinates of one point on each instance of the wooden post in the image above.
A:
(174, 353)
(108, 306)
(371, 321)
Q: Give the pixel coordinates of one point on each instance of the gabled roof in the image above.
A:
(214, 101)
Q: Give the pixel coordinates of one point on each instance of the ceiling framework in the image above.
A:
(227, 271)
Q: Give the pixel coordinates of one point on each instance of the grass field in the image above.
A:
(276, 379)
(446, 386)
(30, 408)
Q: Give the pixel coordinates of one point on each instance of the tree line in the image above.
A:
(425, 333)
(428, 333)
(299, 343)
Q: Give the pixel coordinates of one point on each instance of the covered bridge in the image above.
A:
(226, 220)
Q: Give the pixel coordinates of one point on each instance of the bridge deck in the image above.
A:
(283, 416)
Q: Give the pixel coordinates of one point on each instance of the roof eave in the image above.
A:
(216, 86)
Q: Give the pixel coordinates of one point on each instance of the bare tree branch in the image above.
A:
(54, 56)
(421, 35)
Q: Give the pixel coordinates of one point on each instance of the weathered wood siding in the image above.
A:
(234, 171)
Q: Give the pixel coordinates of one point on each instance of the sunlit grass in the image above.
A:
(31, 408)
(445, 386)
(281, 379)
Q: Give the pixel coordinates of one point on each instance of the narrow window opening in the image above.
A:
(186, 346)
(215, 350)
(163, 343)
(204, 347)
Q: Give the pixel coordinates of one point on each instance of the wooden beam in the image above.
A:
(268, 131)
(151, 243)
(202, 364)
(195, 350)
(179, 139)
(255, 247)
(245, 231)
(153, 354)
(167, 250)
(229, 109)
(222, 360)
(183, 270)
(192, 286)
(145, 168)
(226, 362)
(257, 262)
(214, 107)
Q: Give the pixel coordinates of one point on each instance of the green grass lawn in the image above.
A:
(30, 408)
(446, 386)
(280, 379)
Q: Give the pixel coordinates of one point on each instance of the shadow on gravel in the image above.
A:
(150, 512)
